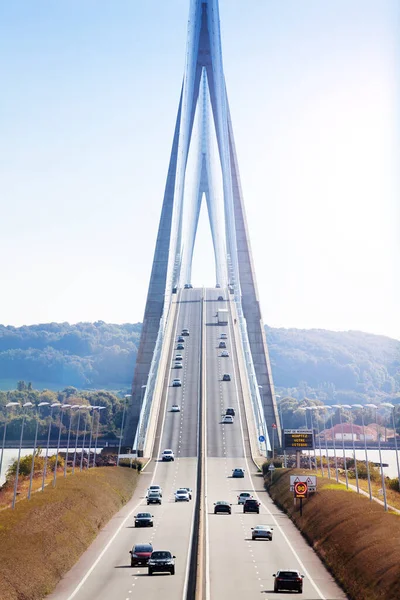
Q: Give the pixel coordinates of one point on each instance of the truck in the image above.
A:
(222, 315)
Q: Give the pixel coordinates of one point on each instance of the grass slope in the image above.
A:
(43, 538)
(357, 540)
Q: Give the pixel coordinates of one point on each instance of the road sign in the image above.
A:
(261, 438)
(300, 489)
(310, 480)
(299, 439)
(271, 467)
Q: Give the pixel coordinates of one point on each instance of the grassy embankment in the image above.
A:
(43, 538)
(357, 540)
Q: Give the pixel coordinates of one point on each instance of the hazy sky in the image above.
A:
(89, 94)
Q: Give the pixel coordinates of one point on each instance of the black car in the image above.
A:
(222, 507)
(288, 580)
(144, 520)
(161, 561)
(154, 498)
(220, 298)
(230, 411)
(226, 377)
(180, 338)
(251, 506)
(140, 554)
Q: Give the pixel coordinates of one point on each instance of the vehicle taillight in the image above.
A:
(299, 579)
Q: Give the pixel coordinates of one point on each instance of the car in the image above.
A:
(189, 491)
(155, 488)
(180, 339)
(222, 345)
(178, 357)
(262, 531)
(243, 496)
(144, 519)
(180, 346)
(225, 354)
(222, 507)
(182, 495)
(223, 336)
(176, 383)
(227, 419)
(175, 408)
(178, 365)
(226, 377)
(161, 561)
(154, 498)
(174, 290)
(238, 473)
(185, 332)
(251, 506)
(288, 580)
(230, 411)
(220, 298)
(167, 455)
(140, 554)
(188, 286)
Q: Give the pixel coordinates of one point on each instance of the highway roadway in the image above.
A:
(235, 566)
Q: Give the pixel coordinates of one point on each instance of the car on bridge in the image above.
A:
(227, 419)
(176, 383)
(175, 408)
(155, 488)
(188, 286)
(288, 580)
(220, 298)
(226, 377)
(243, 496)
(225, 354)
(230, 411)
(178, 365)
(144, 519)
(180, 339)
(182, 495)
(185, 332)
(238, 473)
(222, 507)
(154, 498)
(262, 531)
(222, 345)
(161, 561)
(180, 346)
(251, 506)
(179, 357)
(223, 336)
(167, 455)
(140, 554)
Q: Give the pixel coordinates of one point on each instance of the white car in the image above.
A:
(182, 495)
(175, 408)
(243, 496)
(176, 383)
(154, 488)
(227, 419)
(223, 336)
(261, 531)
(225, 354)
(167, 455)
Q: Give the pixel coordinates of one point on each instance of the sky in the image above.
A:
(88, 104)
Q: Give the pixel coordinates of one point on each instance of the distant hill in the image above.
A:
(345, 366)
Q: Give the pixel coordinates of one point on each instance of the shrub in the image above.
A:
(393, 484)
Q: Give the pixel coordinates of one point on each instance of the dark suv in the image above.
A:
(226, 377)
(161, 561)
(251, 506)
(288, 580)
(230, 411)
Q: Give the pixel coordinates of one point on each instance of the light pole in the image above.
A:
(26, 405)
(380, 454)
(311, 408)
(93, 408)
(334, 442)
(34, 447)
(324, 408)
(319, 439)
(122, 427)
(354, 447)
(303, 409)
(73, 407)
(282, 431)
(339, 406)
(63, 407)
(361, 407)
(8, 405)
(99, 408)
(391, 406)
(143, 391)
(89, 408)
(76, 436)
(52, 406)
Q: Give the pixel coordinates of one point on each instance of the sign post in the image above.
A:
(271, 469)
(301, 491)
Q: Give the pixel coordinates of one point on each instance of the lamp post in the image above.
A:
(354, 447)
(324, 408)
(122, 427)
(311, 408)
(76, 436)
(63, 407)
(52, 406)
(99, 408)
(374, 406)
(319, 439)
(282, 430)
(139, 441)
(339, 406)
(303, 409)
(327, 406)
(34, 447)
(26, 405)
(8, 405)
(73, 407)
(391, 406)
(93, 408)
(361, 407)
(88, 408)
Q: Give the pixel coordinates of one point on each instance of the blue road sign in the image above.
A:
(261, 438)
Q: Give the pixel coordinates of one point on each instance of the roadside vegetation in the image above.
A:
(356, 539)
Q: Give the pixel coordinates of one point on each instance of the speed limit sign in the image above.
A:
(300, 489)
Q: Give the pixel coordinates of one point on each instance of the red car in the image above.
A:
(140, 554)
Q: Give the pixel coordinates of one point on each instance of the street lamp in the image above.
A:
(8, 405)
(361, 407)
(91, 434)
(34, 446)
(303, 409)
(317, 408)
(391, 406)
(63, 407)
(73, 407)
(89, 408)
(354, 447)
(122, 427)
(99, 408)
(76, 436)
(327, 406)
(339, 407)
(26, 405)
(374, 406)
(52, 406)
(311, 408)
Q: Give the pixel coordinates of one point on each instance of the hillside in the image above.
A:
(345, 366)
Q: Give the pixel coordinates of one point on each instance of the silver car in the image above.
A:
(261, 531)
